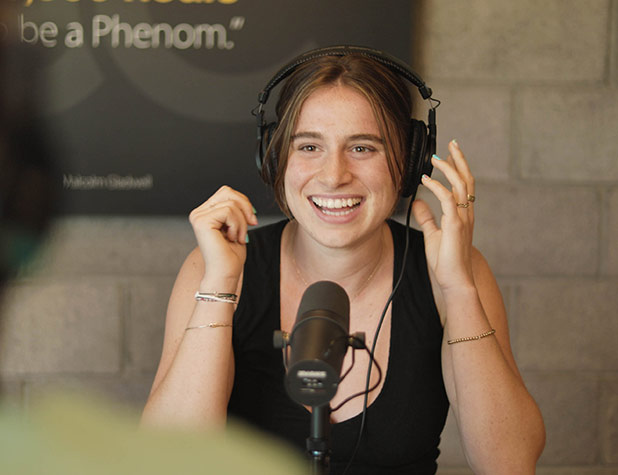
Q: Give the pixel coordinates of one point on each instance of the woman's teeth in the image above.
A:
(337, 206)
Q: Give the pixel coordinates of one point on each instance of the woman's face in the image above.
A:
(337, 182)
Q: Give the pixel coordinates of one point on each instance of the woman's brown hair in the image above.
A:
(386, 92)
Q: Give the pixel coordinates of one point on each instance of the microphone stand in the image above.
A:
(318, 447)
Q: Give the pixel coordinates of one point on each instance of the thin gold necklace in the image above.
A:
(365, 284)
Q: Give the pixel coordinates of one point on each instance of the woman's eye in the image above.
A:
(361, 149)
(308, 148)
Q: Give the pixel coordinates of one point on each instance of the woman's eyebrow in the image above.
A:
(317, 135)
(370, 137)
(306, 135)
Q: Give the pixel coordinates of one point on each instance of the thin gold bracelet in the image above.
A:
(210, 325)
(471, 338)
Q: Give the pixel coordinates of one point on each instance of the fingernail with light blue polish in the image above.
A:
(246, 238)
(436, 157)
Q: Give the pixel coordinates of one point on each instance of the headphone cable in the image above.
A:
(375, 339)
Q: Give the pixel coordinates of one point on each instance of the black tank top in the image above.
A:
(403, 424)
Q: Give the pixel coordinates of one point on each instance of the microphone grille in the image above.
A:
(326, 295)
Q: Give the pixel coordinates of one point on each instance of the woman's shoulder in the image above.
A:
(413, 252)
(263, 248)
(271, 229)
(399, 230)
(266, 238)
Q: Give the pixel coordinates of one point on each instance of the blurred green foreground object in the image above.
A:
(70, 435)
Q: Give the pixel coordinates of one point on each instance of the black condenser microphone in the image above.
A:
(318, 342)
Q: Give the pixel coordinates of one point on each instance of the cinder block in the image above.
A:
(568, 134)
(566, 325)
(609, 420)
(569, 404)
(611, 243)
(62, 327)
(554, 40)
(146, 322)
(614, 46)
(117, 245)
(479, 118)
(531, 230)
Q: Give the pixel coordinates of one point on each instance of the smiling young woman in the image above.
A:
(336, 160)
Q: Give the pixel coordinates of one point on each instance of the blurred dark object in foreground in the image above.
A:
(27, 198)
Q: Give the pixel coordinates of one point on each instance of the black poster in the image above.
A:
(147, 103)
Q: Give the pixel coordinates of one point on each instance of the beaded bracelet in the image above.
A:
(470, 338)
(215, 297)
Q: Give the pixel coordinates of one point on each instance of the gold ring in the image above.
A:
(471, 198)
(463, 205)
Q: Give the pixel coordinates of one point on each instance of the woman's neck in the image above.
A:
(352, 267)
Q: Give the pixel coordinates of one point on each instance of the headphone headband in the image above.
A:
(392, 63)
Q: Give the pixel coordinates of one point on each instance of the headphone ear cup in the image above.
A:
(417, 163)
(267, 163)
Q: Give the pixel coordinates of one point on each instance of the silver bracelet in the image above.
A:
(209, 325)
(215, 297)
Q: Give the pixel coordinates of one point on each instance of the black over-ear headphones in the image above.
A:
(422, 138)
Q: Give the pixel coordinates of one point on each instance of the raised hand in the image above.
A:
(220, 225)
(449, 246)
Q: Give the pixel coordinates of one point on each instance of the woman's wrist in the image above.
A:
(460, 294)
(465, 315)
(462, 302)
(212, 284)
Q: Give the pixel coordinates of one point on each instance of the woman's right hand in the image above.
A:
(220, 225)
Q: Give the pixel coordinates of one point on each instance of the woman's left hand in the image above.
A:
(449, 246)
(481, 378)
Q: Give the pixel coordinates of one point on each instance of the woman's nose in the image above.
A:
(335, 170)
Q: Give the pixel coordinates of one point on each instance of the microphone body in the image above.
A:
(318, 343)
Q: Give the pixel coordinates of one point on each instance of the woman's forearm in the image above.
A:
(501, 426)
(193, 384)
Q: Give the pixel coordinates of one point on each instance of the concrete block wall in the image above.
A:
(530, 91)
(92, 313)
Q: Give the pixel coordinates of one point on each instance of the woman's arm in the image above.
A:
(195, 375)
(500, 424)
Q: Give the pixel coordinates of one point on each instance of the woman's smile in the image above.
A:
(336, 206)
